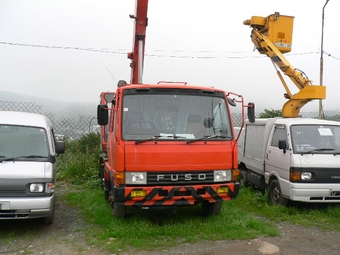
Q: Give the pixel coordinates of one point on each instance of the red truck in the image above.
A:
(167, 144)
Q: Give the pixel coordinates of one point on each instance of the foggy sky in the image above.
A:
(73, 50)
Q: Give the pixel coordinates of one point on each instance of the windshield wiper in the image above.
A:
(34, 156)
(157, 137)
(206, 137)
(19, 157)
(316, 150)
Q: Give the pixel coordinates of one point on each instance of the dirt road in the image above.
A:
(67, 237)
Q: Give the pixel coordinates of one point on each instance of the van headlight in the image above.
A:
(222, 175)
(36, 187)
(135, 177)
(42, 188)
(306, 176)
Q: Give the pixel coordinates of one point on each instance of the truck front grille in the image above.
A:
(182, 178)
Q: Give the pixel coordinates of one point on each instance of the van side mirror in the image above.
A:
(251, 112)
(283, 145)
(60, 147)
(102, 114)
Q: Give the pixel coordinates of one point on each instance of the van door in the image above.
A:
(277, 161)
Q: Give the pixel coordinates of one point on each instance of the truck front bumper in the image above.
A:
(175, 195)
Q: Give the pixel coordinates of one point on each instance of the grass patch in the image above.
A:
(150, 230)
(324, 216)
(16, 236)
(247, 217)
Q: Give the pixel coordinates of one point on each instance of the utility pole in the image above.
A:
(321, 59)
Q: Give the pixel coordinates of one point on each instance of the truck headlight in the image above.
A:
(222, 175)
(135, 177)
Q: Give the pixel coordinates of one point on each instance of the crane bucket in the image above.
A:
(278, 28)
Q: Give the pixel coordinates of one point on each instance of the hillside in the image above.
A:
(58, 108)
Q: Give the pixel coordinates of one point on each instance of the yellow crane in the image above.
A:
(272, 36)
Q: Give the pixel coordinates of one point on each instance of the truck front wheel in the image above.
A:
(244, 179)
(211, 208)
(275, 195)
(119, 211)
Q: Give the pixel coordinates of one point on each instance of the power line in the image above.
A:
(62, 47)
(186, 56)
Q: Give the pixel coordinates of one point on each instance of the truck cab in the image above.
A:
(168, 145)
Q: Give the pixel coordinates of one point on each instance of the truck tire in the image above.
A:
(244, 179)
(211, 208)
(119, 211)
(275, 195)
(101, 169)
(106, 190)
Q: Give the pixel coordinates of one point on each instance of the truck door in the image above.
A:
(277, 161)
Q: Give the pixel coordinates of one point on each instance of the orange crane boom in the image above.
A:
(137, 56)
(272, 36)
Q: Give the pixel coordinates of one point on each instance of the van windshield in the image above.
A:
(173, 115)
(22, 142)
(316, 139)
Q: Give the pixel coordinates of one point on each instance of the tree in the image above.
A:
(270, 113)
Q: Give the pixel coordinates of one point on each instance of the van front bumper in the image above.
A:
(317, 193)
(26, 207)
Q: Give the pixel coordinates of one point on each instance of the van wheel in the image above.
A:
(211, 208)
(49, 219)
(275, 195)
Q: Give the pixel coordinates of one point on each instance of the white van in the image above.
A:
(28, 151)
(294, 159)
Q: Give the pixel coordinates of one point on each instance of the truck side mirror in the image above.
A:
(283, 145)
(231, 102)
(102, 114)
(251, 112)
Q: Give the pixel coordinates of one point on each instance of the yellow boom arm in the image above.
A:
(273, 36)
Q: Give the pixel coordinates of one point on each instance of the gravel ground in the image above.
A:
(66, 236)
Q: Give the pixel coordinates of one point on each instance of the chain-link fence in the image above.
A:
(73, 128)
(327, 115)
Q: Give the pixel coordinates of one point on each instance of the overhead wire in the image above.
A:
(121, 51)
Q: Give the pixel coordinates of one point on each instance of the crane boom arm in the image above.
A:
(271, 38)
(137, 56)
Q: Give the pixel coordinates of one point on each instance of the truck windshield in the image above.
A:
(315, 139)
(174, 115)
(22, 143)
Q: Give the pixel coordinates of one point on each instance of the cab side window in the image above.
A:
(280, 133)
